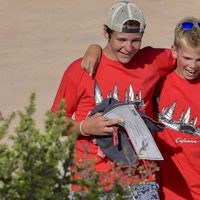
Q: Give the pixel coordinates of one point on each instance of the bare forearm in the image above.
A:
(94, 125)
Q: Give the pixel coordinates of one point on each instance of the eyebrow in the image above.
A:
(188, 57)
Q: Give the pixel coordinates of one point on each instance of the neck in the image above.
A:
(108, 53)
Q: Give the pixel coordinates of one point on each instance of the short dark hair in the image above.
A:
(108, 30)
(130, 24)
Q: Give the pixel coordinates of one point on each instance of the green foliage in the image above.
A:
(36, 165)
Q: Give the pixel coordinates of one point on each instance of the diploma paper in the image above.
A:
(139, 134)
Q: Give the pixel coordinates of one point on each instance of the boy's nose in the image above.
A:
(129, 47)
(194, 63)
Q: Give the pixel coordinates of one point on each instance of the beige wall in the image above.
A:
(40, 38)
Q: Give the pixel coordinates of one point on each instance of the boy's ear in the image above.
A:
(105, 33)
(174, 51)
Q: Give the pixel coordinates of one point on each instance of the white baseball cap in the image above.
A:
(122, 12)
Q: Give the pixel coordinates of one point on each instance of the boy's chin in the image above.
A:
(191, 78)
(125, 60)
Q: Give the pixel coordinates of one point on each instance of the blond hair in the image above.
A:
(187, 37)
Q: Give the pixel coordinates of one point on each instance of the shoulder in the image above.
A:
(74, 66)
(74, 74)
(162, 57)
(154, 51)
(156, 56)
(74, 69)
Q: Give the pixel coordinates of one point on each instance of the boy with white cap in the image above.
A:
(125, 72)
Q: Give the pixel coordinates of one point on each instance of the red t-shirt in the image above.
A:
(77, 88)
(179, 109)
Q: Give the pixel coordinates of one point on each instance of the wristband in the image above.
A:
(81, 129)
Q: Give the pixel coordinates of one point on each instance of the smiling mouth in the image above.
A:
(125, 55)
(191, 72)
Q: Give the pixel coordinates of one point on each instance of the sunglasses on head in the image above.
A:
(189, 25)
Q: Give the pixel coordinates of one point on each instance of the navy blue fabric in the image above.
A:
(123, 153)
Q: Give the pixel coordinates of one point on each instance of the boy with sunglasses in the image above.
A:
(179, 110)
(126, 73)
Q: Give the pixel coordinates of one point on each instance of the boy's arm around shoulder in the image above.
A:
(168, 59)
(165, 61)
(91, 59)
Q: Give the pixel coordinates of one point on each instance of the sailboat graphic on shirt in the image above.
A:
(183, 124)
(130, 97)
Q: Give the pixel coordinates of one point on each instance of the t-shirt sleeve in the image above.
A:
(68, 91)
(165, 62)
